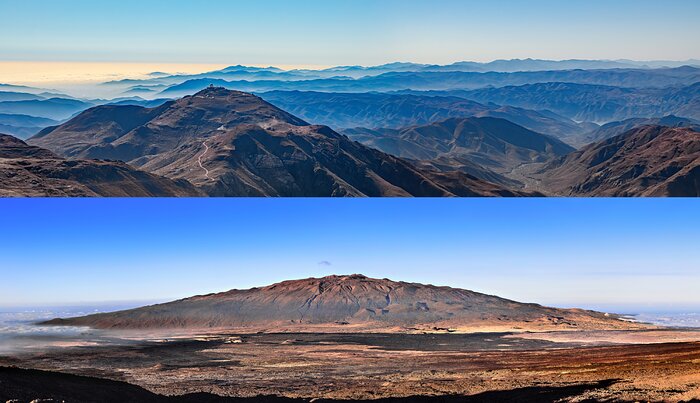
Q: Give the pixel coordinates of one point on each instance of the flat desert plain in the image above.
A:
(631, 365)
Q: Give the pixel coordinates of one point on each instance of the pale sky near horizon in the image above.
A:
(566, 252)
(324, 33)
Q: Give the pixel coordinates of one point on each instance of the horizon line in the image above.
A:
(56, 72)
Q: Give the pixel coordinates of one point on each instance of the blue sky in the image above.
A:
(323, 32)
(567, 252)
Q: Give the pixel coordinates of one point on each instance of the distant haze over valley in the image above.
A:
(83, 79)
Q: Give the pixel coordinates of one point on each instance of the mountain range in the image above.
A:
(249, 73)
(52, 108)
(230, 143)
(593, 102)
(496, 144)
(402, 129)
(23, 126)
(432, 80)
(541, 95)
(395, 111)
(350, 303)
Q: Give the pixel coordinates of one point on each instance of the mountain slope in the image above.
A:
(389, 141)
(613, 129)
(310, 161)
(231, 143)
(496, 144)
(646, 161)
(32, 171)
(82, 136)
(355, 302)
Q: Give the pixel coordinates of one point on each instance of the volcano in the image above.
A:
(349, 303)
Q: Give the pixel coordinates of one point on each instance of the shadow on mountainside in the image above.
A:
(27, 385)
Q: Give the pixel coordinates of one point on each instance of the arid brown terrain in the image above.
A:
(488, 367)
(32, 171)
(646, 161)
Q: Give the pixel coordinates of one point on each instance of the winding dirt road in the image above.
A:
(199, 160)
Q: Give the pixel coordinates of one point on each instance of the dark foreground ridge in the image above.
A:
(25, 385)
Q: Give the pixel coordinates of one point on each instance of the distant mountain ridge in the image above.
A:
(23, 126)
(538, 94)
(51, 108)
(593, 102)
(18, 96)
(241, 145)
(466, 144)
(396, 111)
(252, 73)
(449, 80)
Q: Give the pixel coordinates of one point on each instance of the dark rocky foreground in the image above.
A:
(27, 385)
(359, 367)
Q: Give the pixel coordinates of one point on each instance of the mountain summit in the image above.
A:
(230, 143)
(349, 303)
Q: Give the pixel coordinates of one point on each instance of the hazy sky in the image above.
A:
(575, 252)
(333, 32)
